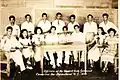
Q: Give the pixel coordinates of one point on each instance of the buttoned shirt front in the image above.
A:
(59, 24)
(71, 26)
(16, 29)
(90, 27)
(107, 26)
(45, 25)
(28, 25)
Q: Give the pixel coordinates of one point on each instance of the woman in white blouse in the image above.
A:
(27, 48)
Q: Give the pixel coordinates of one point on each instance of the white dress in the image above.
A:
(27, 51)
(37, 39)
(109, 52)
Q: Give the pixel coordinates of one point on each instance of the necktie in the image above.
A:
(58, 22)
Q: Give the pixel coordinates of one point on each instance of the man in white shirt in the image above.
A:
(11, 47)
(106, 24)
(44, 23)
(90, 26)
(28, 24)
(58, 23)
(16, 28)
(72, 23)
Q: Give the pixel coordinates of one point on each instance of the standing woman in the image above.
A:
(38, 40)
(27, 49)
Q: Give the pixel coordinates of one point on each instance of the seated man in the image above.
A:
(11, 47)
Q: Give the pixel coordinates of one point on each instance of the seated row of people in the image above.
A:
(103, 45)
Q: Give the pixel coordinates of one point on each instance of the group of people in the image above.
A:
(23, 42)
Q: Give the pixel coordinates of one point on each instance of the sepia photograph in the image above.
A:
(59, 40)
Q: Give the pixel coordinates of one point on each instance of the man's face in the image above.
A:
(9, 32)
(105, 18)
(12, 21)
(72, 19)
(28, 18)
(58, 17)
(90, 18)
(44, 17)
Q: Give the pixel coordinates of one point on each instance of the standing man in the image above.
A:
(28, 24)
(44, 23)
(106, 24)
(72, 23)
(16, 28)
(90, 28)
(58, 23)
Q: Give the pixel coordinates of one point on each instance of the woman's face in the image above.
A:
(53, 30)
(111, 33)
(38, 31)
(77, 29)
(24, 34)
(64, 30)
(99, 31)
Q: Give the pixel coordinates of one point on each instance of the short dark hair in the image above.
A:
(103, 32)
(12, 16)
(21, 33)
(89, 15)
(73, 16)
(36, 28)
(9, 27)
(105, 14)
(111, 29)
(64, 28)
(76, 26)
(51, 28)
(28, 15)
(44, 14)
(58, 14)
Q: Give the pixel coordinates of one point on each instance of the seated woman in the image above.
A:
(27, 48)
(93, 51)
(12, 48)
(110, 51)
(38, 40)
